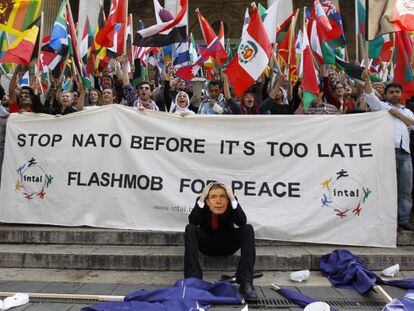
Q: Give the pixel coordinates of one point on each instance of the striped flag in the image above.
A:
(166, 32)
(21, 50)
(252, 56)
(18, 15)
(310, 85)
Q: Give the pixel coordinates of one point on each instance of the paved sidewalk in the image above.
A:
(342, 299)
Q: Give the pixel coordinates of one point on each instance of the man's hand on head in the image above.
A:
(204, 194)
(230, 195)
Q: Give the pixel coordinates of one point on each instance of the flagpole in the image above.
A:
(366, 52)
(126, 27)
(132, 38)
(39, 50)
(75, 40)
(291, 36)
(356, 31)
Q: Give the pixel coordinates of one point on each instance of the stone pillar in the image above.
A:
(90, 9)
(285, 9)
(50, 9)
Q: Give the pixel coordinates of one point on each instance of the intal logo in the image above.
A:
(32, 180)
(344, 194)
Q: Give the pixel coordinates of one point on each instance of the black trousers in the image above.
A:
(223, 245)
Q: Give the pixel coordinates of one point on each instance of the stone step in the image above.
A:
(35, 234)
(161, 258)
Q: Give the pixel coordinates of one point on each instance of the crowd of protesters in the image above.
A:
(338, 94)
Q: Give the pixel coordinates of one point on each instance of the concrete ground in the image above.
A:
(99, 282)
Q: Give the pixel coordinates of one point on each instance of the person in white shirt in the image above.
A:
(403, 123)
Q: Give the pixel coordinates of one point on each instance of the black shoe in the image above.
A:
(406, 226)
(248, 291)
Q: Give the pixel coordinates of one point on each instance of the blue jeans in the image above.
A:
(404, 186)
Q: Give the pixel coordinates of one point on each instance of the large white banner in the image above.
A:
(324, 179)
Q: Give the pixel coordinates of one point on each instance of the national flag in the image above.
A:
(402, 71)
(309, 83)
(18, 15)
(21, 50)
(353, 70)
(188, 73)
(270, 21)
(288, 41)
(24, 80)
(214, 50)
(168, 32)
(4, 45)
(246, 21)
(72, 39)
(208, 33)
(116, 20)
(336, 35)
(385, 16)
(221, 35)
(182, 54)
(193, 50)
(315, 43)
(361, 17)
(282, 32)
(59, 34)
(252, 56)
(86, 43)
(321, 18)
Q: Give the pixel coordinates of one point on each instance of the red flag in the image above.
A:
(252, 56)
(117, 15)
(309, 80)
(402, 71)
(208, 33)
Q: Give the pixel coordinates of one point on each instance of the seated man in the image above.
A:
(211, 231)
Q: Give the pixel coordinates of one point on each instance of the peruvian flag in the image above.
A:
(252, 56)
(310, 85)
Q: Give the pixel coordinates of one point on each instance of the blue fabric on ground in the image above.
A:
(297, 297)
(405, 303)
(185, 294)
(343, 268)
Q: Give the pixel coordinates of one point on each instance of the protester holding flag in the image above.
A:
(25, 99)
(215, 103)
(334, 91)
(403, 123)
(275, 103)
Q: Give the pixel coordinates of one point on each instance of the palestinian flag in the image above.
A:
(352, 70)
(385, 16)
